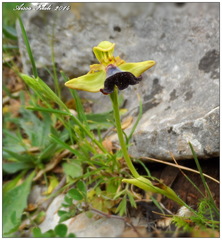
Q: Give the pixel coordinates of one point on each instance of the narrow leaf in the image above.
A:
(50, 110)
(25, 38)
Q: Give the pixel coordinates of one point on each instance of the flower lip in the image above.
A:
(120, 79)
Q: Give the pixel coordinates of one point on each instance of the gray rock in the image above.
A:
(202, 132)
(52, 218)
(82, 225)
(37, 196)
(179, 93)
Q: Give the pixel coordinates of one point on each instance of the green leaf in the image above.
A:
(68, 200)
(49, 234)
(12, 184)
(65, 217)
(121, 209)
(112, 186)
(61, 230)
(15, 225)
(14, 202)
(75, 194)
(19, 157)
(61, 212)
(10, 32)
(71, 235)
(65, 205)
(13, 141)
(14, 167)
(40, 217)
(81, 186)
(73, 169)
(118, 194)
(36, 231)
(131, 199)
(36, 129)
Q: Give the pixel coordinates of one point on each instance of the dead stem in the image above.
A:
(180, 167)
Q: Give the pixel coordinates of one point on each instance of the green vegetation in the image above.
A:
(47, 135)
(59, 231)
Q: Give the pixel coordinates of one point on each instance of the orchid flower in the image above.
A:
(110, 72)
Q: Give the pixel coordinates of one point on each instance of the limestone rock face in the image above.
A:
(202, 132)
(180, 94)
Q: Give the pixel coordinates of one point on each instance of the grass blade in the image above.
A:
(203, 179)
(65, 146)
(25, 38)
(42, 109)
(200, 170)
(9, 32)
(137, 120)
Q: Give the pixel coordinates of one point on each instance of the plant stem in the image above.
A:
(114, 98)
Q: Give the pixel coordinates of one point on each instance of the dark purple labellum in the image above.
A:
(121, 79)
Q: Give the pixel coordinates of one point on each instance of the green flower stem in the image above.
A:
(114, 98)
